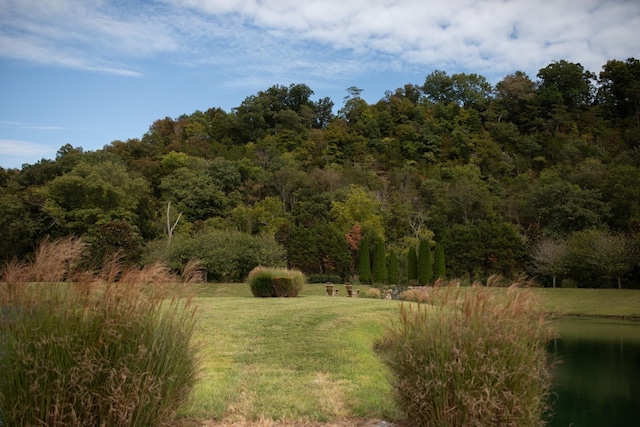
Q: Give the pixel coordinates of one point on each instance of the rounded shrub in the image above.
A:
(275, 282)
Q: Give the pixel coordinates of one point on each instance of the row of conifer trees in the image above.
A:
(423, 266)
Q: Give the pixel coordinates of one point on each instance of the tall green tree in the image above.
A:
(567, 82)
(364, 261)
(115, 238)
(468, 90)
(620, 88)
(439, 264)
(91, 195)
(562, 207)
(379, 270)
(479, 250)
(359, 206)
(394, 270)
(425, 263)
(515, 100)
(412, 265)
(194, 192)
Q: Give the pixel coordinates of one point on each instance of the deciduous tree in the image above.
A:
(549, 258)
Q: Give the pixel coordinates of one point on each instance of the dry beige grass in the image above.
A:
(346, 422)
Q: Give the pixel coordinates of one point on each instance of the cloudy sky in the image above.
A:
(87, 72)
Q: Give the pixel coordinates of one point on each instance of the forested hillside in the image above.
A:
(538, 175)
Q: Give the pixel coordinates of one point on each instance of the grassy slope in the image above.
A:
(310, 358)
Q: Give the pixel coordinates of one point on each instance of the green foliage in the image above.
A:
(562, 207)
(412, 265)
(91, 195)
(480, 167)
(482, 249)
(360, 207)
(568, 82)
(595, 258)
(472, 360)
(425, 263)
(275, 282)
(324, 278)
(379, 269)
(116, 238)
(364, 261)
(92, 352)
(315, 248)
(226, 255)
(394, 270)
(194, 193)
(439, 265)
(265, 216)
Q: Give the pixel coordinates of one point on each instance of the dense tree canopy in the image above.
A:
(500, 177)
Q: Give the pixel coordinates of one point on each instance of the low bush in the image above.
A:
(415, 294)
(91, 350)
(374, 293)
(275, 282)
(471, 359)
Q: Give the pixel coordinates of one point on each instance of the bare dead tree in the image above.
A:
(170, 227)
(418, 220)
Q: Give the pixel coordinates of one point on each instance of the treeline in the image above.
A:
(531, 175)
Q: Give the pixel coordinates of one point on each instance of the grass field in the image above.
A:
(310, 359)
(305, 359)
(623, 303)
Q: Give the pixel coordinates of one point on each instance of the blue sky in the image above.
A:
(88, 72)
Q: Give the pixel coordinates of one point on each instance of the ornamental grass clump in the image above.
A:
(112, 348)
(475, 357)
(275, 282)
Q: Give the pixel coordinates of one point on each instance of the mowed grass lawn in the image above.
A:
(308, 358)
(311, 358)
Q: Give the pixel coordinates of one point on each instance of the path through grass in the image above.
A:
(308, 358)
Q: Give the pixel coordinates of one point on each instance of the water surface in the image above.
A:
(597, 381)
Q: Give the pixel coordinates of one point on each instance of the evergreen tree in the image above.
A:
(394, 273)
(364, 263)
(425, 260)
(439, 266)
(412, 265)
(379, 264)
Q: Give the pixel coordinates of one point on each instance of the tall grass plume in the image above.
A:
(468, 356)
(78, 348)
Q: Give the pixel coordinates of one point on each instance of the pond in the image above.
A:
(597, 380)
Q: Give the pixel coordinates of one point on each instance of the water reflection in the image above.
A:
(597, 382)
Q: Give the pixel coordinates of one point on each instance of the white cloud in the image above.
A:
(321, 36)
(23, 149)
(20, 125)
